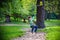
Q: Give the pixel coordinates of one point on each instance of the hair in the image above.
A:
(29, 17)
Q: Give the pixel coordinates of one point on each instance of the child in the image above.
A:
(32, 24)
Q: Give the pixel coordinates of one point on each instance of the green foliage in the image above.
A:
(23, 8)
(52, 5)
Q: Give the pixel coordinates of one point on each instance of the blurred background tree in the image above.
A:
(21, 9)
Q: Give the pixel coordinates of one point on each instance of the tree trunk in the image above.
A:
(24, 20)
(40, 14)
(7, 18)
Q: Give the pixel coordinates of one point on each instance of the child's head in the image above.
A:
(29, 17)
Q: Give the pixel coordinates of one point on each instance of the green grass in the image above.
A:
(52, 23)
(52, 30)
(52, 33)
(8, 32)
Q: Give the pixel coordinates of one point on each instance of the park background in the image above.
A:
(14, 17)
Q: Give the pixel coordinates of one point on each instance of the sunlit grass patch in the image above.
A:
(52, 33)
(52, 23)
(9, 32)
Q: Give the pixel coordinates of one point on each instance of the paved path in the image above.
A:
(14, 24)
(30, 36)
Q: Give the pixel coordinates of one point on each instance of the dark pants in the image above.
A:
(34, 29)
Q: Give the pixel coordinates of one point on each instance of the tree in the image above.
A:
(59, 9)
(40, 13)
(52, 6)
(5, 9)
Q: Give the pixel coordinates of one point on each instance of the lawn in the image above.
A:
(52, 33)
(52, 23)
(8, 32)
(52, 30)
